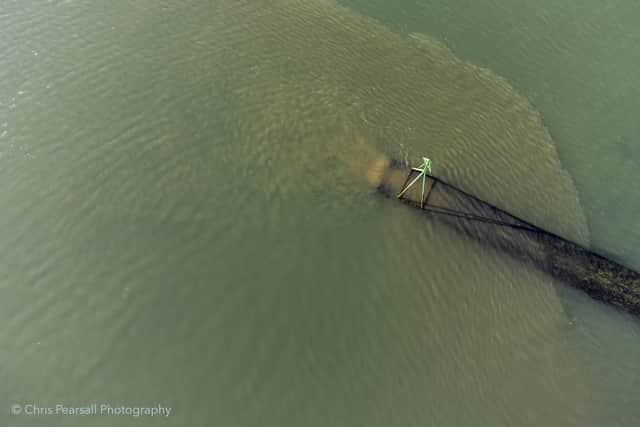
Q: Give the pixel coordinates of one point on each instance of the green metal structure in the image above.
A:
(424, 171)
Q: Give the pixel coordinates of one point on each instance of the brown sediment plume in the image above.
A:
(323, 93)
(306, 63)
(361, 158)
(378, 169)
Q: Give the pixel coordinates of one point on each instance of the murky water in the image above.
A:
(187, 219)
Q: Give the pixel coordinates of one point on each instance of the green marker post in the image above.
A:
(425, 171)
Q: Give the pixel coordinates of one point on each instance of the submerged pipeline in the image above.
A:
(601, 278)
